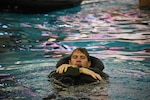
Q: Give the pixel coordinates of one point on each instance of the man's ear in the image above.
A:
(70, 62)
(89, 63)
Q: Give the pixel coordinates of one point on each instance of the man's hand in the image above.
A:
(63, 68)
(91, 73)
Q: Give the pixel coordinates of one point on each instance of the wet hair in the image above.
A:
(84, 51)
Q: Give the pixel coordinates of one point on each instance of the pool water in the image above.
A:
(115, 31)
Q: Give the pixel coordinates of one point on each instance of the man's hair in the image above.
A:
(84, 51)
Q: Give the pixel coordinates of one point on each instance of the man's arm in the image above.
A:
(87, 71)
(75, 71)
(101, 73)
(63, 68)
(71, 71)
(67, 69)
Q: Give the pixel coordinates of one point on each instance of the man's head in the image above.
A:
(80, 57)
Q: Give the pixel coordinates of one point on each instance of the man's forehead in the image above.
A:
(77, 52)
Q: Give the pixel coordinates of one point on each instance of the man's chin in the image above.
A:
(78, 65)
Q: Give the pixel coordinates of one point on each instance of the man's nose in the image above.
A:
(78, 59)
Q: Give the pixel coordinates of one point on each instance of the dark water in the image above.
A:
(116, 31)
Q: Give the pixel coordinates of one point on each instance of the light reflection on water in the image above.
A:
(118, 35)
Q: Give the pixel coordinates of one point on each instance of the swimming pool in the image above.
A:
(115, 31)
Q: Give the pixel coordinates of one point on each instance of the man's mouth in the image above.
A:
(78, 65)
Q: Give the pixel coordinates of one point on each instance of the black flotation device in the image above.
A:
(36, 6)
(95, 62)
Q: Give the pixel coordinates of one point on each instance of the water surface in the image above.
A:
(117, 32)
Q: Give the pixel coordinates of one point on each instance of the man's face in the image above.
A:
(79, 59)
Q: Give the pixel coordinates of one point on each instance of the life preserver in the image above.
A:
(95, 62)
(36, 6)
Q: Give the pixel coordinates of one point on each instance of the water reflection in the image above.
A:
(118, 33)
(81, 92)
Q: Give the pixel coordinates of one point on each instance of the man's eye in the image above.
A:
(82, 57)
(74, 57)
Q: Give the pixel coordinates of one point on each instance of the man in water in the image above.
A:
(78, 70)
